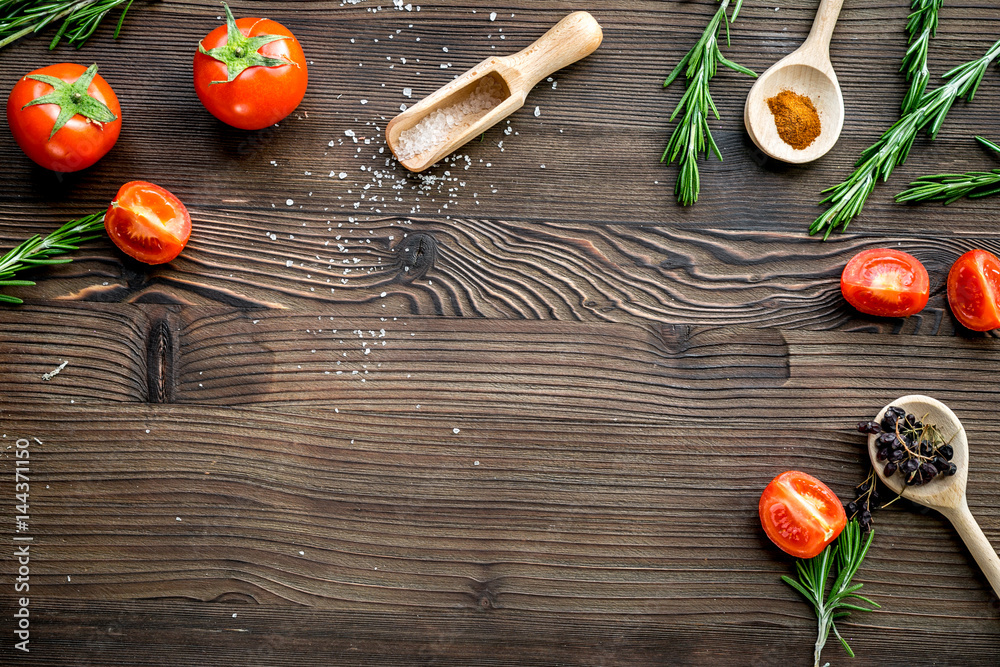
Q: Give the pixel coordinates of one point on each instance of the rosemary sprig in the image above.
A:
(878, 160)
(950, 187)
(38, 251)
(815, 573)
(922, 26)
(692, 135)
(77, 19)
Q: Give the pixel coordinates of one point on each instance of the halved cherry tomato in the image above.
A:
(76, 98)
(250, 73)
(801, 514)
(885, 282)
(974, 290)
(148, 223)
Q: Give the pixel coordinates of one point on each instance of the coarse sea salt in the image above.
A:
(435, 128)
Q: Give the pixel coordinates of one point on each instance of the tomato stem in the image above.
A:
(241, 52)
(72, 99)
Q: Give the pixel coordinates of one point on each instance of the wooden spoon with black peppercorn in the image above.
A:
(944, 493)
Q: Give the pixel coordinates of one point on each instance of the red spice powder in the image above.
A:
(795, 117)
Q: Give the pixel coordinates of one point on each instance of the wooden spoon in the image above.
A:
(806, 71)
(944, 494)
(573, 38)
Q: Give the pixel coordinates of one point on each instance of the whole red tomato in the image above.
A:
(250, 73)
(65, 117)
(801, 514)
(974, 290)
(885, 282)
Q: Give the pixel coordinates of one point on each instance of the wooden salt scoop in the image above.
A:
(944, 494)
(806, 71)
(575, 37)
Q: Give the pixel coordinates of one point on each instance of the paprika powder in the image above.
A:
(795, 117)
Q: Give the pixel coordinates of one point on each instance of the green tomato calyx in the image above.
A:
(241, 52)
(72, 99)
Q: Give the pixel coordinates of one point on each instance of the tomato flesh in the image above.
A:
(974, 290)
(78, 144)
(801, 514)
(885, 282)
(259, 96)
(148, 223)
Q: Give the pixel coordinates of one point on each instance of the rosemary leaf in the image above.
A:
(814, 575)
(891, 150)
(922, 26)
(951, 187)
(76, 19)
(692, 134)
(38, 251)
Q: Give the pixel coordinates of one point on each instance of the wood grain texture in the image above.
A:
(477, 366)
(505, 415)
(536, 269)
(194, 633)
(338, 511)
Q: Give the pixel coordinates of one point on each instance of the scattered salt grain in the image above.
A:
(538, 112)
(493, 16)
(54, 372)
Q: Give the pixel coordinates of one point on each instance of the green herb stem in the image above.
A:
(813, 578)
(38, 251)
(77, 19)
(951, 187)
(922, 26)
(891, 150)
(692, 135)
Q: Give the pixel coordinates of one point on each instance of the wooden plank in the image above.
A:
(402, 515)
(480, 367)
(232, 632)
(511, 270)
(582, 135)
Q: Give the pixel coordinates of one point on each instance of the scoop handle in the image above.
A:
(575, 37)
(974, 538)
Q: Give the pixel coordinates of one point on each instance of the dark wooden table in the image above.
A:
(520, 414)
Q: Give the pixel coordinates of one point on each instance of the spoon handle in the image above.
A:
(575, 37)
(823, 25)
(979, 546)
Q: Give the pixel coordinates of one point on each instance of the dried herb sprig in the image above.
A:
(922, 26)
(692, 135)
(814, 575)
(77, 19)
(950, 187)
(891, 150)
(38, 251)
(866, 499)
